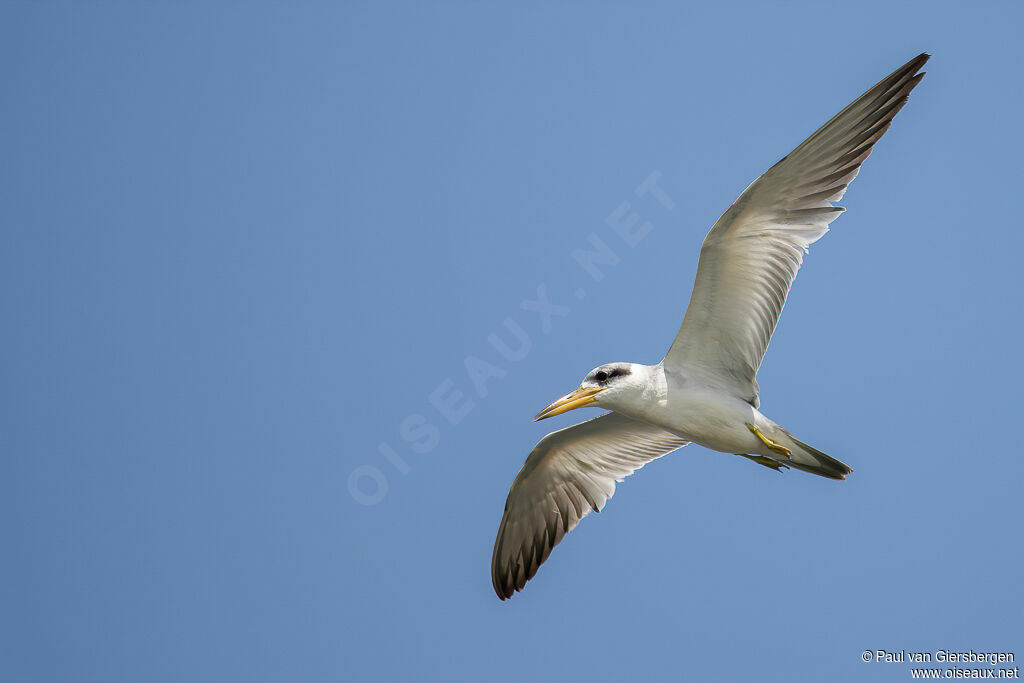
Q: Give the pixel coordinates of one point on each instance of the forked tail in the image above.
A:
(810, 459)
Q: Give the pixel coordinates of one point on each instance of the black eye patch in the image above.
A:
(603, 376)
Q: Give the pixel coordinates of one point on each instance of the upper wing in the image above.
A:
(568, 474)
(750, 257)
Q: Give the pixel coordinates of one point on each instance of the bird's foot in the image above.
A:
(766, 461)
(775, 447)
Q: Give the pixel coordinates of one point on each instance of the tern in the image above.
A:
(704, 391)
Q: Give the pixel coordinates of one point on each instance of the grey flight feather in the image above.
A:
(752, 254)
(568, 474)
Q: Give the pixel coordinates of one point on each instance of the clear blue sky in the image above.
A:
(242, 246)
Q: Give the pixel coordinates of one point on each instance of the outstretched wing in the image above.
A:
(752, 254)
(568, 474)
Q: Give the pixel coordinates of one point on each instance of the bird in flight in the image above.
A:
(704, 390)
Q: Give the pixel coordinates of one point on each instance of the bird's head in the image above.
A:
(605, 387)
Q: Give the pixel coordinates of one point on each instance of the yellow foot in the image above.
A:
(775, 447)
(767, 462)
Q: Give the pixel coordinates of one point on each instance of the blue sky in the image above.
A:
(243, 247)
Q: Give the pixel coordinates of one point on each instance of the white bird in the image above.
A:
(704, 390)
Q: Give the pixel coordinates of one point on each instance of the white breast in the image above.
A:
(703, 414)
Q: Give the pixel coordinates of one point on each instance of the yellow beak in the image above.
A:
(577, 399)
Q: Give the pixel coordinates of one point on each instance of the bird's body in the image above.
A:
(697, 407)
(704, 391)
(699, 411)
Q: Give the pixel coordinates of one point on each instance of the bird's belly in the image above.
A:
(709, 419)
